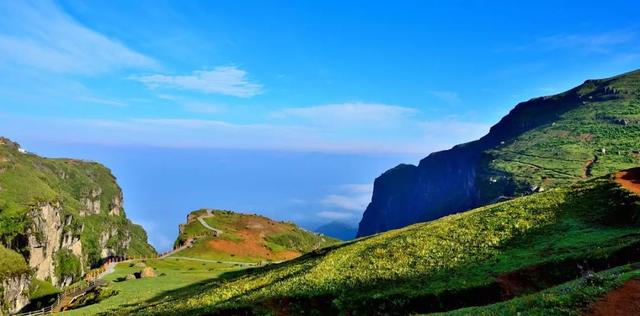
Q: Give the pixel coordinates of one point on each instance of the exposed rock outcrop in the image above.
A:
(45, 239)
(91, 204)
(15, 292)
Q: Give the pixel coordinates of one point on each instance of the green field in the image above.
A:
(172, 274)
(446, 264)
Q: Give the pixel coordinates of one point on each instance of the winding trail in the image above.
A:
(217, 231)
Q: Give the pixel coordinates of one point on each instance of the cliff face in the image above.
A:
(541, 143)
(15, 279)
(63, 216)
(15, 292)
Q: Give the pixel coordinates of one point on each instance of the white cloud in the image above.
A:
(348, 114)
(226, 80)
(39, 34)
(409, 136)
(352, 197)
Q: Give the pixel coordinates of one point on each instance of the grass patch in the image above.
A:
(171, 274)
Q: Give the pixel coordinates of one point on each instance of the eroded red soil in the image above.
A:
(623, 301)
(253, 230)
(629, 179)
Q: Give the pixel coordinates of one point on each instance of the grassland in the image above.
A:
(480, 257)
(171, 274)
(246, 238)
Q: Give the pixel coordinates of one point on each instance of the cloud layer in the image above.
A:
(226, 80)
(348, 114)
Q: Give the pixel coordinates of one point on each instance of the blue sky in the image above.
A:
(272, 84)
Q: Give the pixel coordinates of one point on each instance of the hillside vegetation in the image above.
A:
(245, 237)
(547, 142)
(11, 263)
(480, 257)
(62, 215)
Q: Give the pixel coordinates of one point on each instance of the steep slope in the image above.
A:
(230, 236)
(62, 215)
(483, 256)
(546, 142)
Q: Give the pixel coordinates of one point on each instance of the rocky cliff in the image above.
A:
(590, 130)
(15, 279)
(63, 216)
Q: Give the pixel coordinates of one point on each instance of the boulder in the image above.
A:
(148, 273)
(130, 277)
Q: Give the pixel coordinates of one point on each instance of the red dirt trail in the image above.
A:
(629, 179)
(623, 301)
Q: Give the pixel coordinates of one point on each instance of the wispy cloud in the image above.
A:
(103, 101)
(352, 197)
(39, 34)
(335, 215)
(348, 114)
(225, 80)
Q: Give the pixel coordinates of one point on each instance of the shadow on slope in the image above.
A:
(594, 226)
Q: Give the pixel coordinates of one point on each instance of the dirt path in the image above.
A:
(622, 301)
(217, 231)
(629, 179)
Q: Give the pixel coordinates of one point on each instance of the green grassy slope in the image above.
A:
(571, 148)
(28, 181)
(572, 298)
(479, 257)
(246, 238)
(171, 274)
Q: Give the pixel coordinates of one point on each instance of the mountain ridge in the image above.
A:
(466, 175)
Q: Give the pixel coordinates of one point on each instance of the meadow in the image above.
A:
(171, 274)
(468, 259)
